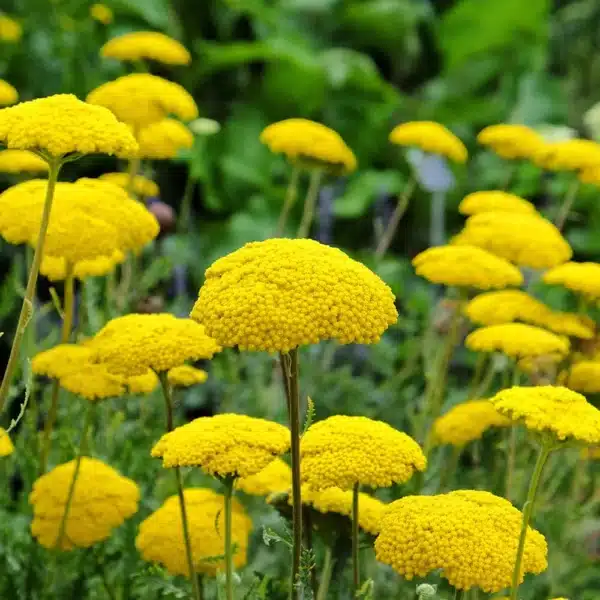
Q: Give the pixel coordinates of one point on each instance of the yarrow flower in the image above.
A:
(60, 360)
(164, 139)
(55, 268)
(6, 445)
(431, 137)
(568, 155)
(186, 376)
(275, 477)
(495, 201)
(102, 500)
(142, 186)
(279, 294)
(590, 175)
(583, 376)
(10, 30)
(511, 141)
(101, 13)
(471, 536)
(581, 278)
(151, 45)
(8, 94)
(21, 161)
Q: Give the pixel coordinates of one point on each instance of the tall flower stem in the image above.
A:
(309, 203)
(567, 204)
(185, 210)
(27, 306)
(326, 572)
(168, 396)
(512, 445)
(290, 199)
(355, 548)
(228, 546)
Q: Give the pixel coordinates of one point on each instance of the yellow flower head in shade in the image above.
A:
(516, 340)
(60, 360)
(511, 141)
(142, 384)
(160, 538)
(471, 536)
(275, 477)
(341, 451)
(142, 186)
(581, 278)
(21, 161)
(466, 266)
(140, 99)
(186, 376)
(101, 13)
(6, 445)
(568, 155)
(8, 94)
(55, 268)
(93, 382)
(431, 137)
(590, 175)
(152, 45)
(583, 376)
(222, 445)
(10, 30)
(280, 294)
(526, 240)
(132, 344)
(102, 500)
(554, 409)
(467, 422)
(62, 124)
(164, 139)
(495, 201)
(309, 142)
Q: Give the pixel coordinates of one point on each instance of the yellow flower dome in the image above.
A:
(516, 340)
(309, 142)
(152, 45)
(142, 384)
(101, 13)
(341, 451)
(60, 360)
(431, 137)
(583, 376)
(495, 201)
(511, 141)
(92, 382)
(279, 294)
(160, 538)
(140, 99)
(470, 536)
(164, 139)
(55, 268)
(186, 376)
(8, 94)
(10, 30)
(590, 175)
(6, 445)
(132, 344)
(466, 266)
(568, 155)
(526, 240)
(581, 278)
(224, 445)
(142, 186)
(21, 161)
(275, 477)
(61, 125)
(102, 500)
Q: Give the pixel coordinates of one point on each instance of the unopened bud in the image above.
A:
(426, 591)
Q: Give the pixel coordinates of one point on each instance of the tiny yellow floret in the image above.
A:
(6, 445)
(495, 201)
(151, 45)
(431, 137)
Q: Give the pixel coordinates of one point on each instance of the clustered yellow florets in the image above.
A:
(142, 186)
(511, 141)
(342, 451)
(10, 30)
(280, 294)
(581, 278)
(472, 536)
(60, 360)
(164, 139)
(495, 201)
(186, 376)
(275, 477)
(6, 445)
(583, 376)
(21, 161)
(8, 94)
(568, 155)
(101, 13)
(152, 45)
(431, 137)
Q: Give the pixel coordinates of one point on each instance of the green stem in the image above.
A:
(27, 306)
(290, 199)
(477, 376)
(450, 469)
(185, 211)
(228, 546)
(577, 483)
(567, 204)
(132, 170)
(310, 203)
(355, 547)
(326, 572)
(512, 442)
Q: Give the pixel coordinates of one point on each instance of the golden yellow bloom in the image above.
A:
(140, 99)
(142, 186)
(581, 278)
(186, 376)
(431, 137)
(55, 268)
(101, 13)
(62, 124)
(93, 382)
(309, 142)
(21, 161)
(142, 384)
(60, 360)
(152, 45)
(466, 266)
(8, 94)
(511, 141)
(516, 340)
(160, 538)
(471, 536)
(280, 294)
(102, 500)
(583, 376)
(495, 201)
(341, 451)
(6, 445)
(526, 240)
(223, 445)
(164, 139)
(10, 30)
(275, 477)
(568, 155)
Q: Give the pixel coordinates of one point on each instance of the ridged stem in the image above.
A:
(291, 194)
(355, 539)
(309, 203)
(228, 545)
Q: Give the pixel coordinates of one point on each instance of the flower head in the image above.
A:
(93, 382)
(55, 268)
(495, 201)
(280, 294)
(568, 155)
(431, 137)
(275, 477)
(186, 376)
(471, 536)
(142, 186)
(101, 13)
(60, 360)
(151, 45)
(590, 175)
(8, 94)
(583, 376)
(511, 141)
(21, 161)
(10, 30)
(581, 278)
(102, 500)
(6, 445)
(164, 139)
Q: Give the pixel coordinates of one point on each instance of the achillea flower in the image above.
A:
(511, 141)
(6, 445)
(275, 477)
(61, 125)
(583, 376)
(581, 278)
(101, 13)
(590, 175)
(568, 155)
(55, 268)
(142, 186)
(516, 340)
(142, 384)
(495, 201)
(152, 45)
(60, 360)
(10, 30)
(186, 376)
(471, 536)
(279, 294)
(342, 451)
(222, 445)
(8, 94)
(93, 382)
(164, 139)
(431, 137)
(305, 141)
(102, 500)
(466, 266)
(526, 240)
(21, 161)
(160, 538)
(467, 422)
(140, 99)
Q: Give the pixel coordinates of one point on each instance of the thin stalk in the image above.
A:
(228, 546)
(477, 375)
(291, 194)
(132, 170)
(450, 469)
(185, 210)
(577, 482)
(567, 204)
(326, 572)
(308, 540)
(512, 444)
(27, 306)
(355, 547)
(309, 203)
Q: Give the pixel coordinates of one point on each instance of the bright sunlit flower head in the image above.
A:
(186, 376)
(583, 376)
(164, 139)
(10, 30)
(93, 382)
(431, 137)
(101, 13)
(8, 94)
(275, 477)
(6, 445)
(495, 201)
(569, 155)
(511, 141)
(581, 278)
(60, 360)
(21, 161)
(151, 45)
(142, 186)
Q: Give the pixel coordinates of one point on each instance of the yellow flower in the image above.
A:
(471, 536)
(223, 445)
(590, 175)
(309, 143)
(8, 94)
(554, 409)
(186, 376)
(275, 477)
(431, 137)
(164, 139)
(160, 538)
(151, 45)
(55, 268)
(583, 376)
(511, 141)
(142, 384)
(280, 294)
(6, 445)
(516, 340)
(132, 344)
(581, 278)
(60, 360)
(467, 422)
(142, 186)
(102, 500)
(495, 201)
(21, 161)
(568, 155)
(526, 240)
(10, 30)
(140, 99)
(92, 382)
(466, 266)
(341, 451)
(62, 124)
(101, 13)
